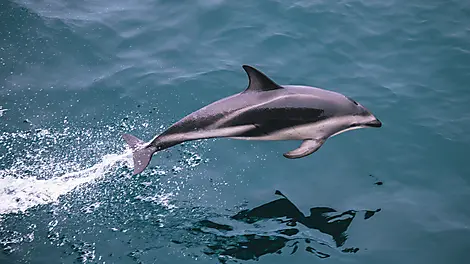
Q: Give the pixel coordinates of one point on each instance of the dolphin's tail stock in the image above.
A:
(141, 154)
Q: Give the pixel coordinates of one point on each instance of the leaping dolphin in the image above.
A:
(265, 110)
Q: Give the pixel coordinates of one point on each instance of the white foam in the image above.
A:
(38, 167)
(2, 110)
(19, 194)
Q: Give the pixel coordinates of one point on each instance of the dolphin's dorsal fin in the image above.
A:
(258, 82)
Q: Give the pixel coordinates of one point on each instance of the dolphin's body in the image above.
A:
(264, 111)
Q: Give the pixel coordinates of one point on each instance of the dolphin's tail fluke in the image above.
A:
(141, 154)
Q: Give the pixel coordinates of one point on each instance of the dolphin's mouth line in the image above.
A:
(375, 123)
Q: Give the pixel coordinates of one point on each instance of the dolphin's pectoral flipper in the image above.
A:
(307, 147)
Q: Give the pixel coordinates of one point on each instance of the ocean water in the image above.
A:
(75, 75)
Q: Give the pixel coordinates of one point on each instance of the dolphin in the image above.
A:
(265, 110)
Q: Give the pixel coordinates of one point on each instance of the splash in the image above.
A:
(37, 169)
(20, 194)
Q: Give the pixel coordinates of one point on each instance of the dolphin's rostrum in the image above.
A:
(265, 110)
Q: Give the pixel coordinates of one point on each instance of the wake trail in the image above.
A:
(20, 191)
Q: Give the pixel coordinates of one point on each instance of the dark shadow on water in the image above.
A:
(228, 244)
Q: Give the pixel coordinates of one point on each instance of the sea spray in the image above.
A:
(20, 194)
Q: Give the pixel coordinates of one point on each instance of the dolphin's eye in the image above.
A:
(350, 99)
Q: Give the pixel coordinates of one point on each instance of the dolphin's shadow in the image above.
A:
(227, 243)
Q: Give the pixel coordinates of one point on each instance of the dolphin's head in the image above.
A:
(361, 116)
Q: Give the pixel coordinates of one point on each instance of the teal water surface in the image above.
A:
(75, 75)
